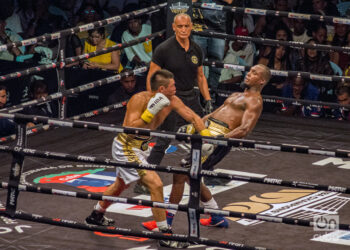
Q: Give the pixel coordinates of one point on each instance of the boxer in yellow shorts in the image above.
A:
(236, 118)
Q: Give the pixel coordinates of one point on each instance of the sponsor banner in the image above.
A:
(96, 178)
(299, 16)
(294, 203)
(339, 237)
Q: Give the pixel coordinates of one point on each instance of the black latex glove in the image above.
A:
(208, 107)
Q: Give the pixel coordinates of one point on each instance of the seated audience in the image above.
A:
(278, 59)
(13, 21)
(88, 13)
(241, 53)
(7, 36)
(38, 89)
(319, 33)
(140, 54)
(128, 87)
(343, 98)
(299, 89)
(315, 63)
(240, 20)
(44, 21)
(7, 126)
(342, 59)
(300, 33)
(73, 48)
(266, 25)
(97, 41)
(281, 33)
(26, 13)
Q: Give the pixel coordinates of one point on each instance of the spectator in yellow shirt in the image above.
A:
(97, 41)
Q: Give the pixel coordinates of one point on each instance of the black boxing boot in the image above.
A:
(171, 243)
(99, 218)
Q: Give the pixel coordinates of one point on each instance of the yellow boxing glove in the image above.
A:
(155, 104)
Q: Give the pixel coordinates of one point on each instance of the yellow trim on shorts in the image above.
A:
(136, 142)
(215, 129)
(128, 145)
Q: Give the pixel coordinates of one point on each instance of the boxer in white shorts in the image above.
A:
(147, 109)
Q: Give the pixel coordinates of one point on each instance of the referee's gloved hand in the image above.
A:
(208, 107)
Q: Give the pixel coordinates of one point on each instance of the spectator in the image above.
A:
(7, 127)
(7, 36)
(97, 41)
(298, 89)
(38, 89)
(340, 31)
(113, 8)
(128, 87)
(281, 32)
(213, 48)
(314, 62)
(278, 59)
(325, 8)
(299, 31)
(266, 25)
(68, 9)
(43, 21)
(155, 17)
(319, 33)
(241, 20)
(73, 47)
(13, 21)
(300, 34)
(26, 14)
(241, 53)
(123, 25)
(320, 7)
(342, 59)
(343, 98)
(140, 54)
(88, 13)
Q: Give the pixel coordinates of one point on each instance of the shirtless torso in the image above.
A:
(240, 112)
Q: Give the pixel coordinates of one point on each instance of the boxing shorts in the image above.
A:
(216, 128)
(130, 148)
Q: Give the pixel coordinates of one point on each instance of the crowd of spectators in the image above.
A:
(24, 19)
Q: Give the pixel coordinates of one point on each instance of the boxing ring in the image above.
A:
(262, 215)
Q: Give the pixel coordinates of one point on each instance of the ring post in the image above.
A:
(16, 169)
(195, 180)
(62, 104)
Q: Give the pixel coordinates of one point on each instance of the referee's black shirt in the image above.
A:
(183, 64)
